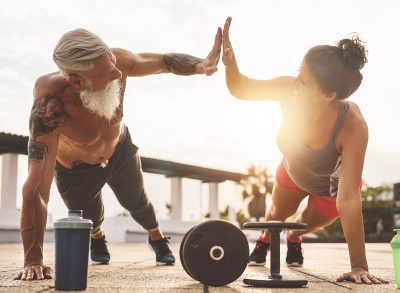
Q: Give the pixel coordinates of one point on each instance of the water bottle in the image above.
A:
(395, 243)
(72, 251)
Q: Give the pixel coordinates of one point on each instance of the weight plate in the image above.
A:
(181, 251)
(215, 252)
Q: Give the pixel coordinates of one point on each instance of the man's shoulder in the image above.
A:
(46, 79)
(48, 111)
(48, 84)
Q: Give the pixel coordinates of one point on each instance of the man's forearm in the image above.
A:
(33, 225)
(181, 64)
(353, 228)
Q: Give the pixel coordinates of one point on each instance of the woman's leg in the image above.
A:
(285, 202)
(286, 198)
(320, 212)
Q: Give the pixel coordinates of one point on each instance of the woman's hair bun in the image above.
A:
(354, 52)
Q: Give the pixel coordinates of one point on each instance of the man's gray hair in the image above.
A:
(77, 49)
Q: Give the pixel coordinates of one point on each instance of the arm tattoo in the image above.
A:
(37, 150)
(46, 116)
(181, 64)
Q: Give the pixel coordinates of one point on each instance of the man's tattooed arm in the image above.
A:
(37, 150)
(46, 119)
(47, 115)
(181, 64)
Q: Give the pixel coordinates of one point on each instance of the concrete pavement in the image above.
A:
(132, 269)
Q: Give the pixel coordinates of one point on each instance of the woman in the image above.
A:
(323, 138)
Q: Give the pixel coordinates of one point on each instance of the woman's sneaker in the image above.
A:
(294, 257)
(164, 254)
(259, 254)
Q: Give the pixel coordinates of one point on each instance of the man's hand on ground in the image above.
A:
(35, 272)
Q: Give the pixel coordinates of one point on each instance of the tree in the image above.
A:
(255, 190)
(371, 193)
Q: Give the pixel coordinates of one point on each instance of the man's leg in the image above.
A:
(80, 189)
(127, 184)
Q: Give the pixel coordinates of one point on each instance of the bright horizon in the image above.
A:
(194, 119)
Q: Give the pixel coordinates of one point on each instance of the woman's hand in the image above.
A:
(360, 276)
(228, 57)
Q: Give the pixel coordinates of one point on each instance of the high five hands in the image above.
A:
(209, 65)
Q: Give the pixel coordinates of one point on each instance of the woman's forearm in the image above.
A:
(350, 212)
(234, 80)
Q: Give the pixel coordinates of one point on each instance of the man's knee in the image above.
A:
(140, 207)
(144, 209)
(146, 216)
(136, 201)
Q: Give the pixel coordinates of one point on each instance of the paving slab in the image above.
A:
(133, 269)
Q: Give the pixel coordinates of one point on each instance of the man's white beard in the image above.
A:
(102, 102)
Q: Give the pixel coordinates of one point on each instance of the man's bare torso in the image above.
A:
(84, 137)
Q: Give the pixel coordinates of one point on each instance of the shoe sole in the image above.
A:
(164, 263)
(256, 264)
(294, 265)
(96, 263)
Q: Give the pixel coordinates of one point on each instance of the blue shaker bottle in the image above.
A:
(72, 236)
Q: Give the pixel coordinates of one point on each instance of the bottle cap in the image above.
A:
(74, 221)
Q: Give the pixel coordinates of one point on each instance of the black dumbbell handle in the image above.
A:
(275, 225)
(275, 265)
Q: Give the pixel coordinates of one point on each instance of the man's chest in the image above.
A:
(84, 128)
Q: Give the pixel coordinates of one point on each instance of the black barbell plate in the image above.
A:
(181, 252)
(275, 283)
(275, 225)
(214, 234)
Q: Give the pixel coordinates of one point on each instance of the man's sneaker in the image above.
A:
(259, 254)
(98, 251)
(294, 257)
(164, 254)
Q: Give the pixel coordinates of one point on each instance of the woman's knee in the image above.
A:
(314, 220)
(276, 213)
(285, 202)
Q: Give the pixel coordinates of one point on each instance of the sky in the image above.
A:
(194, 119)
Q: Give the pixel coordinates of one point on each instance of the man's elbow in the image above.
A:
(32, 192)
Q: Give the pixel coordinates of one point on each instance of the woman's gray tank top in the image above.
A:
(315, 171)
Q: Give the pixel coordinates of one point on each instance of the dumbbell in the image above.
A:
(214, 252)
(275, 279)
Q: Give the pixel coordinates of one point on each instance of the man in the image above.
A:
(76, 135)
